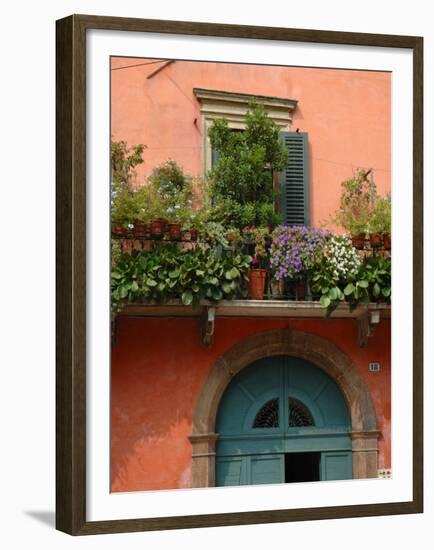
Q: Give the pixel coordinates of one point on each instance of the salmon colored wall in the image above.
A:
(346, 114)
(159, 367)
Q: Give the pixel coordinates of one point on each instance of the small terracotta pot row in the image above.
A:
(376, 241)
(156, 230)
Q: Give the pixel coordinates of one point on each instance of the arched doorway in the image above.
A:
(316, 350)
(282, 419)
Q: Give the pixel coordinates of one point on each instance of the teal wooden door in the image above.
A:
(278, 415)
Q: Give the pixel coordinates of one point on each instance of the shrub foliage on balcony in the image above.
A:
(169, 272)
(242, 178)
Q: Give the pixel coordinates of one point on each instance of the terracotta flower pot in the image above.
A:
(139, 228)
(387, 243)
(157, 228)
(175, 231)
(358, 241)
(375, 240)
(300, 291)
(119, 231)
(256, 284)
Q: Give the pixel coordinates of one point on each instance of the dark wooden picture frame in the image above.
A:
(71, 274)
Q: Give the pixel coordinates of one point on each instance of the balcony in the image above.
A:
(288, 299)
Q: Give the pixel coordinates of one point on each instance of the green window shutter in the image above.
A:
(294, 180)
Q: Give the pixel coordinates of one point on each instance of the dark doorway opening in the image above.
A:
(302, 467)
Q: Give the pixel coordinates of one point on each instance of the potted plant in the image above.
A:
(358, 230)
(174, 221)
(124, 204)
(174, 191)
(292, 254)
(259, 264)
(156, 212)
(124, 210)
(141, 227)
(355, 204)
(119, 230)
(380, 222)
(371, 282)
(257, 278)
(337, 263)
(193, 223)
(158, 228)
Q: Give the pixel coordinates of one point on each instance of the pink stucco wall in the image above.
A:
(346, 114)
(158, 365)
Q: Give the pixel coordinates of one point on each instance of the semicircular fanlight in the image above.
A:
(268, 415)
(298, 414)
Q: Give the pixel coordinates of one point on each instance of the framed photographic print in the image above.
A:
(228, 200)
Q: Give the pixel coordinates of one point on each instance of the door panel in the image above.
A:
(231, 471)
(267, 469)
(336, 465)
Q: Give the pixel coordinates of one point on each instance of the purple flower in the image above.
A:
(293, 249)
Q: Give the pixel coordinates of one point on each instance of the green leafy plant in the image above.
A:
(259, 239)
(357, 195)
(190, 275)
(380, 216)
(126, 200)
(173, 191)
(170, 181)
(125, 207)
(232, 213)
(372, 282)
(124, 159)
(337, 263)
(215, 234)
(242, 187)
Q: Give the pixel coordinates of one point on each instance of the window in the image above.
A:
(233, 106)
(298, 414)
(293, 180)
(268, 416)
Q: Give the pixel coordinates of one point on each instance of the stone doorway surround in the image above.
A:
(310, 347)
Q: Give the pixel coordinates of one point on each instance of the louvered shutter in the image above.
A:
(294, 180)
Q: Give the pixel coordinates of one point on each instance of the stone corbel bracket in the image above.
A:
(207, 326)
(366, 324)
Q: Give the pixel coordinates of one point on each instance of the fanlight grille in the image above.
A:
(268, 415)
(298, 414)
